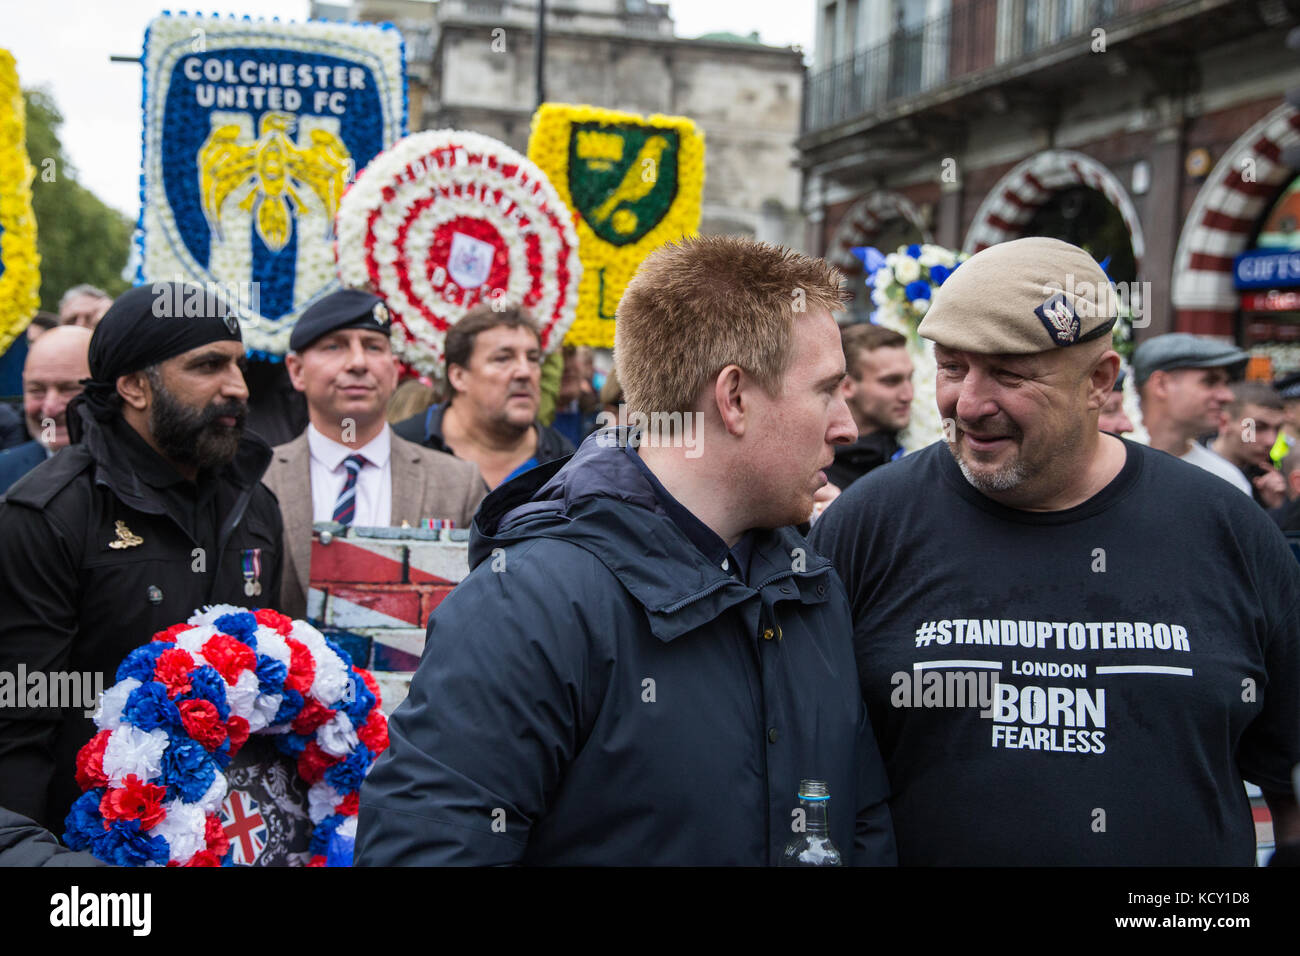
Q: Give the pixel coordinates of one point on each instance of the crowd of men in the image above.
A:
(647, 655)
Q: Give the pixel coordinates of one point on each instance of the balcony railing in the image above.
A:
(969, 39)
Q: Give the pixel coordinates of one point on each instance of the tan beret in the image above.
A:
(1027, 295)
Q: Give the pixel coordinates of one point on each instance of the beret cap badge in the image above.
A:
(1060, 319)
(380, 313)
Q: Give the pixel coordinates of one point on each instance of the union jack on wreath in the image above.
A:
(245, 827)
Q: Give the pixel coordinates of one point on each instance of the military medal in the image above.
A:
(252, 559)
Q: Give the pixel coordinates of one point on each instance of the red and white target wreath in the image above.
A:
(445, 220)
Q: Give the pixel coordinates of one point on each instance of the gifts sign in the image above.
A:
(253, 132)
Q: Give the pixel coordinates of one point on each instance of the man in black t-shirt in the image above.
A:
(1073, 648)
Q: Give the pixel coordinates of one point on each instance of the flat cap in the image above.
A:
(1019, 297)
(345, 309)
(1181, 350)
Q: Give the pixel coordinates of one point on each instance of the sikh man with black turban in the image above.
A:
(154, 510)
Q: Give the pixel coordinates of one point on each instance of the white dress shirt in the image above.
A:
(374, 481)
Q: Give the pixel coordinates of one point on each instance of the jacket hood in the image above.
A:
(599, 500)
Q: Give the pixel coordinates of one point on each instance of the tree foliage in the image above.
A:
(80, 239)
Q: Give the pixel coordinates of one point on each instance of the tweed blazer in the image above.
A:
(426, 484)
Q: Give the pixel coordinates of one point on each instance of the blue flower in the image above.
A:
(939, 273)
(346, 775)
(320, 839)
(208, 685)
(221, 756)
(289, 707)
(148, 708)
(347, 658)
(920, 289)
(293, 744)
(271, 675)
(362, 701)
(241, 625)
(124, 845)
(83, 822)
(187, 769)
(914, 251)
(140, 662)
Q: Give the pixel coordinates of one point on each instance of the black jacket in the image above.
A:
(73, 602)
(18, 461)
(426, 429)
(598, 692)
(854, 461)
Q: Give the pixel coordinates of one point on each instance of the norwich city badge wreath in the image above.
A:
(633, 184)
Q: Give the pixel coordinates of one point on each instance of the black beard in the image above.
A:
(192, 436)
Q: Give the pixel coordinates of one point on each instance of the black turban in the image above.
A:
(147, 325)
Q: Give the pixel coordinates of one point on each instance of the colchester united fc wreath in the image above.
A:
(184, 704)
(252, 131)
(446, 220)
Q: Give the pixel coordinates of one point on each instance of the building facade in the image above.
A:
(471, 66)
(1152, 132)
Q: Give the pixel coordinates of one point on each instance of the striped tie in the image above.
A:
(346, 507)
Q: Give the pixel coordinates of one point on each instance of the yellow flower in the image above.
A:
(20, 278)
(633, 183)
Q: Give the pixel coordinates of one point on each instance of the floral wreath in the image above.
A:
(902, 284)
(633, 183)
(445, 220)
(20, 278)
(258, 188)
(183, 706)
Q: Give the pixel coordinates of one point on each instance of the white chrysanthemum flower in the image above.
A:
(109, 714)
(242, 695)
(184, 829)
(321, 801)
(131, 750)
(337, 738)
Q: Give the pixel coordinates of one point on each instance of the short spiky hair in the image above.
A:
(699, 305)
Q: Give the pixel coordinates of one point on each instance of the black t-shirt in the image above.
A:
(1140, 655)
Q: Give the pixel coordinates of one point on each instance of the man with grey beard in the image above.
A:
(155, 509)
(1143, 627)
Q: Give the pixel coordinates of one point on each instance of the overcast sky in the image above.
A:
(65, 45)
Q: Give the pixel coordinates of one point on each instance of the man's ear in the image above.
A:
(729, 397)
(293, 365)
(456, 375)
(1102, 380)
(135, 390)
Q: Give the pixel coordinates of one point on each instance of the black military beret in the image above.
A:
(345, 309)
(1288, 386)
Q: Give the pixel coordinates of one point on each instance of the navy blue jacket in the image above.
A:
(18, 461)
(597, 692)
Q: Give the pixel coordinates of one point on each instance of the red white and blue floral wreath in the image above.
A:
(182, 707)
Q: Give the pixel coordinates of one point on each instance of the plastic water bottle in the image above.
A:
(812, 844)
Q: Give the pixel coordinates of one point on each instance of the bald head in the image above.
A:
(56, 364)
